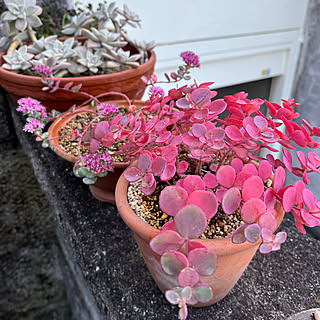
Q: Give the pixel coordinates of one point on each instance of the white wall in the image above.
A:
(237, 40)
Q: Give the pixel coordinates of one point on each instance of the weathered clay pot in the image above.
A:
(104, 188)
(127, 82)
(232, 258)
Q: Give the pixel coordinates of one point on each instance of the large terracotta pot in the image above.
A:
(232, 258)
(104, 188)
(127, 82)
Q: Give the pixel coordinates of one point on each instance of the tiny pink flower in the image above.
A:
(106, 108)
(43, 69)
(154, 91)
(190, 58)
(33, 125)
(29, 105)
(97, 163)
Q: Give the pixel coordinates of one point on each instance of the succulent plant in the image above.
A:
(62, 50)
(77, 24)
(22, 13)
(42, 44)
(19, 60)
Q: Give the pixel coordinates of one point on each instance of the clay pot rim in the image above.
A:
(67, 116)
(110, 77)
(223, 246)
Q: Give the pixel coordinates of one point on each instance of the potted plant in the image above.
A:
(96, 53)
(202, 199)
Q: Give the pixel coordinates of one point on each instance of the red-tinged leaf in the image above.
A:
(261, 123)
(289, 199)
(299, 226)
(268, 221)
(170, 153)
(252, 209)
(250, 168)
(183, 103)
(168, 226)
(108, 139)
(158, 165)
(217, 106)
(210, 180)
(215, 134)
(279, 178)
(192, 183)
(172, 199)
(269, 198)
(241, 178)
(205, 200)
(172, 296)
(237, 165)
(132, 174)
(195, 245)
(309, 199)
(302, 159)
(200, 115)
(305, 177)
(198, 130)
(226, 176)
(144, 79)
(200, 96)
(190, 222)
(203, 260)
(231, 200)
(192, 142)
(299, 138)
(144, 162)
(266, 247)
(233, 133)
(94, 146)
(164, 137)
(68, 85)
(182, 167)
(238, 236)
(264, 170)
(253, 187)
(101, 129)
(165, 241)
(252, 232)
(188, 277)
(173, 262)
(168, 173)
(148, 184)
(241, 153)
(308, 219)
(76, 88)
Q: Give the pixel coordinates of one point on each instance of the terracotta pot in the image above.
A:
(104, 188)
(232, 258)
(127, 82)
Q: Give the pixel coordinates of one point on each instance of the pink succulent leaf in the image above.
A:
(101, 129)
(269, 198)
(201, 96)
(226, 176)
(302, 159)
(192, 142)
(241, 153)
(281, 237)
(252, 188)
(198, 130)
(164, 137)
(308, 219)
(289, 199)
(278, 180)
(132, 174)
(186, 293)
(170, 153)
(210, 180)
(267, 235)
(299, 186)
(213, 167)
(252, 210)
(162, 125)
(299, 138)
(148, 184)
(165, 241)
(266, 247)
(94, 146)
(144, 162)
(261, 123)
(158, 165)
(233, 133)
(205, 200)
(250, 168)
(176, 140)
(237, 165)
(203, 260)
(238, 236)
(183, 103)
(172, 297)
(203, 293)
(217, 106)
(182, 167)
(252, 232)
(180, 183)
(215, 134)
(195, 245)
(241, 178)
(168, 226)
(267, 221)
(183, 312)
(168, 173)
(231, 200)
(172, 199)
(192, 183)
(188, 277)
(305, 178)
(264, 170)
(309, 199)
(190, 222)
(108, 139)
(173, 262)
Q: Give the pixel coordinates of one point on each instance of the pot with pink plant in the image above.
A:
(201, 198)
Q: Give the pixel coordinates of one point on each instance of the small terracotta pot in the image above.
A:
(104, 188)
(127, 82)
(232, 258)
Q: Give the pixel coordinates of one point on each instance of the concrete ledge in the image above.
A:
(105, 259)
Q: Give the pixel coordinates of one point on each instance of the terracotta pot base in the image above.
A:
(101, 195)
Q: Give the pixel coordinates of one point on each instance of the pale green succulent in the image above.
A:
(104, 13)
(22, 13)
(78, 24)
(122, 58)
(62, 51)
(19, 60)
(42, 44)
(56, 66)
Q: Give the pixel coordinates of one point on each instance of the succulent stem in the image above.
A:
(13, 46)
(31, 33)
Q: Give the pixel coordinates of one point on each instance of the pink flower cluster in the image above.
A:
(107, 108)
(97, 163)
(33, 125)
(190, 58)
(155, 91)
(29, 105)
(43, 69)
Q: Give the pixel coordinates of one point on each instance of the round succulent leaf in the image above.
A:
(267, 221)
(169, 152)
(269, 198)
(231, 200)
(172, 296)
(168, 226)
(188, 277)
(238, 236)
(205, 200)
(250, 168)
(264, 170)
(195, 245)
(94, 146)
(261, 123)
(226, 176)
(82, 172)
(186, 293)
(233, 133)
(101, 129)
(165, 241)
(241, 178)
(253, 187)
(266, 247)
(144, 162)
(190, 222)
(164, 137)
(192, 183)
(183, 312)
(237, 165)
(309, 199)
(203, 260)
(210, 180)
(281, 237)
(168, 172)
(132, 174)
(172, 199)
(148, 184)
(289, 199)
(158, 165)
(252, 232)
(182, 167)
(217, 106)
(278, 180)
(203, 293)
(198, 130)
(252, 209)
(89, 180)
(172, 262)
